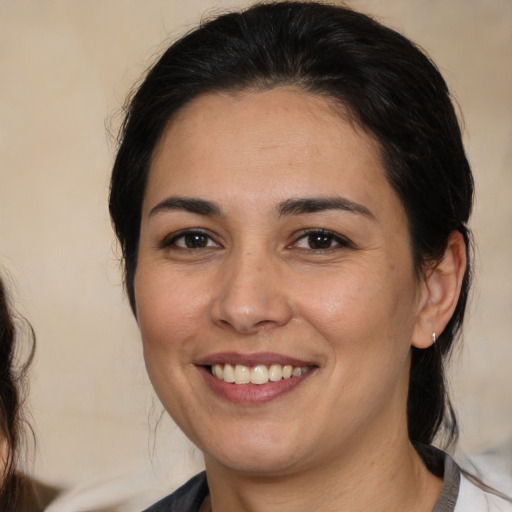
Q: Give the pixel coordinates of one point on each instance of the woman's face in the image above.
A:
(271, 242)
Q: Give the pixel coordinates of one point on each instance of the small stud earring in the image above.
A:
(434, 338)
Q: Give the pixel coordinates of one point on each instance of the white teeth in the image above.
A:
(229, 373)
(259, 374)
(275, 372)
(287, 371)
(218, 371)
(242, 374)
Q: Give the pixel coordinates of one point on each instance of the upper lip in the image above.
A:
(266, 358)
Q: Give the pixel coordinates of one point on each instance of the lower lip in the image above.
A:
(252, 393)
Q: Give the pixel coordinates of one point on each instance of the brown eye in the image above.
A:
(190, 240)
(320, 241)
(194, 240)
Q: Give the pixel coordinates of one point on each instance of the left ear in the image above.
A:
(440, 292)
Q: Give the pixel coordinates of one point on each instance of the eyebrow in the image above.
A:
(319, 204)
(289, 207)
(188, 204)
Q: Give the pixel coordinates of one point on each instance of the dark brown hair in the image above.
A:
(12, 394)
(390, 88)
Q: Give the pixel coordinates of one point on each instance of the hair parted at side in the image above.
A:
(385, 83)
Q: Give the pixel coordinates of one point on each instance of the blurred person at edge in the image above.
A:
(291, 195)
(18, 492)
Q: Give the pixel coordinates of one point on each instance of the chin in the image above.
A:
(262, 456)
(261, 463)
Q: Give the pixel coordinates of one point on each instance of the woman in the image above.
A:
(18, 492)
(291, 195)
(11, 420)
(13, 489)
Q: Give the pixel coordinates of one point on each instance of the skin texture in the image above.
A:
(257, 282)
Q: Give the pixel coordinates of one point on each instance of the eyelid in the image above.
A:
(170, 240)
(341, 240)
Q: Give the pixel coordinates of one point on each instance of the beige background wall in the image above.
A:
(65, 68)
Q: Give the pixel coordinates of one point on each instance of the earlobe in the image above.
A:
(441, 289)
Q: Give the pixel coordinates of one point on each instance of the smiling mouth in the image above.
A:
(259, 374)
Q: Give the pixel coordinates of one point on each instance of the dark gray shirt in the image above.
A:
(191, 495)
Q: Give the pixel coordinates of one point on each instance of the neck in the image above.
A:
(391, 478)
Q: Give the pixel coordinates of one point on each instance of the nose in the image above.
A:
(251, 295)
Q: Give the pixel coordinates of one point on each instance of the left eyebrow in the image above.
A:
(187, 204)
(319, 204)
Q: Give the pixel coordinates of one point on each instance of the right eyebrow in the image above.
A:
(188, 204)
(306, 205)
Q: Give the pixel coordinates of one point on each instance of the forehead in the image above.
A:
(271, 117)
(270, 145)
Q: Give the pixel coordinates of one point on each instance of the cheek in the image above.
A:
(360, 307)
(165, 318)
(168, 312)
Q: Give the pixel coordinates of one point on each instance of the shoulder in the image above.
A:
(459, 492)
(188, 498)
(472, 498)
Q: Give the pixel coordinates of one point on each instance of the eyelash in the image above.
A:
(171, 241)
(329, 237)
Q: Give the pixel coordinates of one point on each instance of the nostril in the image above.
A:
(249, 301)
